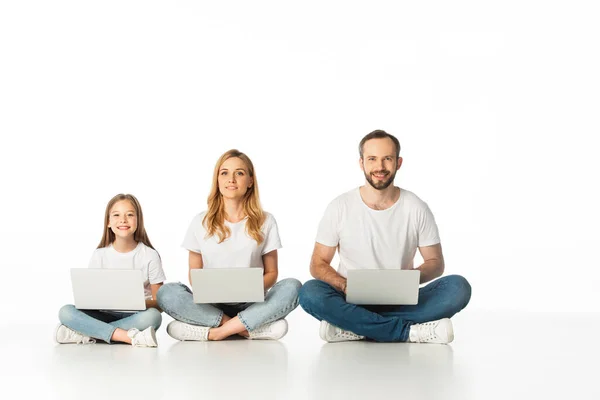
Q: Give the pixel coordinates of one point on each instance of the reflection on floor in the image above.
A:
(494, 356)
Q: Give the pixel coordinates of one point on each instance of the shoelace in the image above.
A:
(346, 334)
(427, 331)
(191, 331)
(78, 338)
(85, 340)
(261, 329)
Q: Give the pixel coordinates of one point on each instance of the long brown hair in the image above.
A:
(214, 220)
(140, 235)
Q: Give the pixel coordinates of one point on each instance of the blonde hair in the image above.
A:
(214, 220)
(140, 235)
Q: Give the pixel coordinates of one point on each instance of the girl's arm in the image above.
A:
(152, 303)
(270, 271)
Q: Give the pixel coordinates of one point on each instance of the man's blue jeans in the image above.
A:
(441, 298)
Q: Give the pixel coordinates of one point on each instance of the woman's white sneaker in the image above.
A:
(271, 331)
(182, 331)
(145, 338)
(65, 334)
(439, 331)
(331, 333)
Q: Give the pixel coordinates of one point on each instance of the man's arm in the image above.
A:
(433, 262)
(321, 269)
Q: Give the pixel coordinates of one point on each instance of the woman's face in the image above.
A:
(234, 180)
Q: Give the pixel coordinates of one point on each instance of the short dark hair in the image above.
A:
(379, 134)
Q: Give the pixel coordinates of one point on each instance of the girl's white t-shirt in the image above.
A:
(142, 257)
(237, 251)
(377, 239)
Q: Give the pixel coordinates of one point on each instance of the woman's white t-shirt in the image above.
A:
(237, 251)
(142, 257)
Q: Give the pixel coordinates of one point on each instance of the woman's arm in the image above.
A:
(195, 261)
(270, 271)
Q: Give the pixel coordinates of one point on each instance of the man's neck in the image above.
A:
(234, 210)
(379, 199)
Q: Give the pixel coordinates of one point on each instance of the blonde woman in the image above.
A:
(124, 245)
(234, 232)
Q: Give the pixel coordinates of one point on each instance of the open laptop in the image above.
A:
(108, 289)
(383, 286)
(228, 285)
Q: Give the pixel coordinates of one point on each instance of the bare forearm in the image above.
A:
(326, 273)
(269, 279)
(431, 270)
(152, 303)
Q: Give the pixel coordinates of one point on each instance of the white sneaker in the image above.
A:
(271, 331)
(182, 331)
(65, 334)
(331, 333)
(439, 331)
(145, 338)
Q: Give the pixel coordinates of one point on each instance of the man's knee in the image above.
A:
(311, 293)
(462, 288)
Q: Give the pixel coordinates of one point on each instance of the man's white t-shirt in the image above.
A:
(142, 257)
(237, 251)
(377, 239)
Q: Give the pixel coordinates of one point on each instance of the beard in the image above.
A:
(383, 184)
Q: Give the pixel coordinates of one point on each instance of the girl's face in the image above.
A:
(123, 219)
(234, 180)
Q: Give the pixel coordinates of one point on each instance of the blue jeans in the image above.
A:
(176, 299)
(102, 324)
(441, 298)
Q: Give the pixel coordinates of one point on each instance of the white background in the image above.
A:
(495, 105)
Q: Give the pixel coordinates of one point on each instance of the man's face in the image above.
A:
(379, 162)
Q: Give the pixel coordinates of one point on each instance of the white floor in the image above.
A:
(494, 356)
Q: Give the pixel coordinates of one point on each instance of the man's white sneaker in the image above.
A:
(439, 331)
(145, 338)
(331, 333)
(271, 331)
(182, 331)
(65, 334)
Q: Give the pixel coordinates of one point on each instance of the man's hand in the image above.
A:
(321, 269)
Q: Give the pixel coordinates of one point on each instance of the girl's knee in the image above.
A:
(66, 314)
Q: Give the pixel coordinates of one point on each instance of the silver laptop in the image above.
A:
(108, 289)
(228, 285)
(383, 286)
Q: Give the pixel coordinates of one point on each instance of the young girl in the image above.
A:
(124, 245)
(234, 232)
